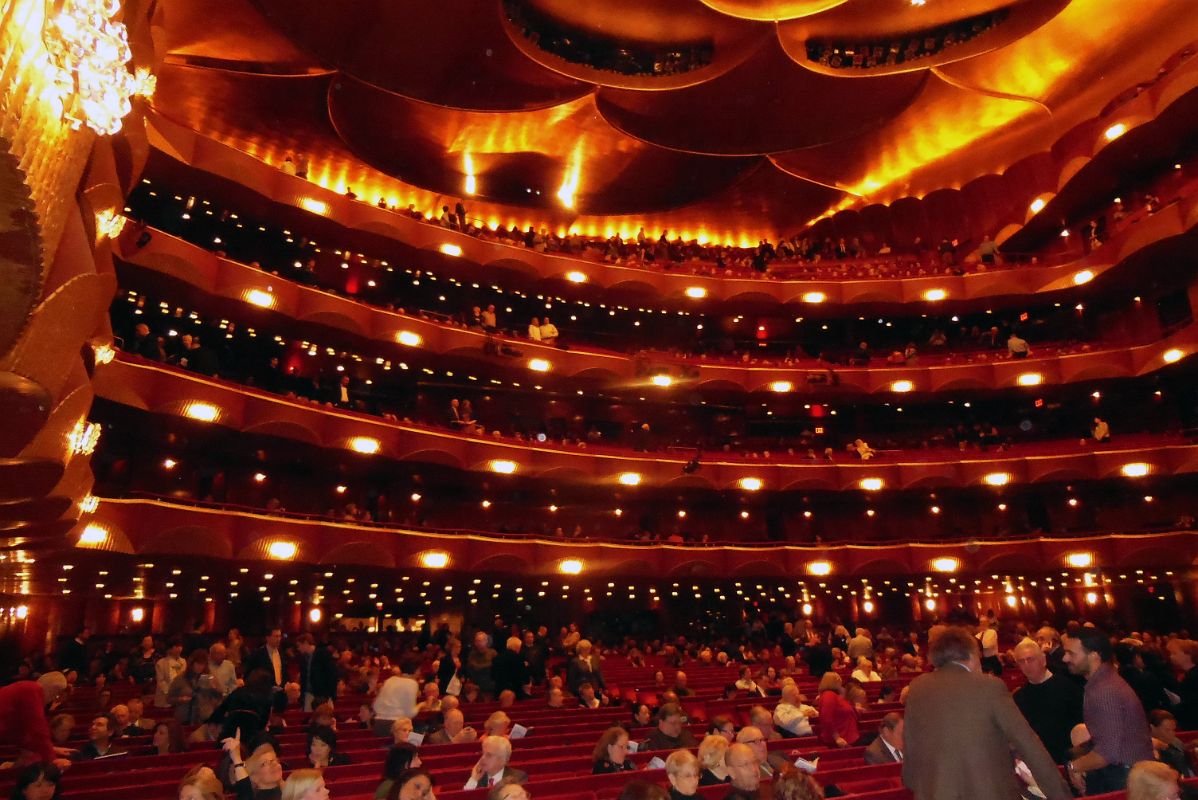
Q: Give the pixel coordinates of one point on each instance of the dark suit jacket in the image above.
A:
(509, 672)
(321, 677)
(259, 659)
(959, 732)
(878, 753)
(580, 672)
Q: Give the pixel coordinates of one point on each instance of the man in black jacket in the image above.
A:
(508, 670)
(269, 657)
(318, 672)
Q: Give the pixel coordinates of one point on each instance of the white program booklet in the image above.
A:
(519, 732)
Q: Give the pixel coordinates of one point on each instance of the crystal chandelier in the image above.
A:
(87, 52)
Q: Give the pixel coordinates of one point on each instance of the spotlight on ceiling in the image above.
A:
(935, 295)
(282, 550)
(1030, 379)
(781, 387)
(570, 566)
(1082, 276)
(204, 412)
(819, 568)
(1115, 131)
(94, 535)
(538, 365)
(1172, 356)
(365, 445)
(451, 249)
(997, 478)
(575, 276)
(751, 484)
(408, 338)
(946, 564)
(902, 386)
(434, 559)
(661, 380)
(1038, 205)
(696, 292)
(871, 484)
(502, 466)
(814, 297)
(260, 298)
(1137, 469)
(630, 478)
(1080, 560)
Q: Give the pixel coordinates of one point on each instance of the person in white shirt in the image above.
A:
(534, 330)
(166, 669)
(396, 699)
(745, 682)
(988, 637)
(224, 674)
(792, 714)
(865, 671)
(492, 766)
(548, 332)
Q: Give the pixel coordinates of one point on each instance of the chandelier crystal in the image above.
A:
(87, 53)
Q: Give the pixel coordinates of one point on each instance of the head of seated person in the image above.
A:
(305, 784)
(498, 724)
(168, 737)
(643, 790)
(38, 781)
(400, 757)
(201, 783)
(509, 789)
(263, 765)
(794, 784)
(401, 728)
(1152, 780)
(322, 747)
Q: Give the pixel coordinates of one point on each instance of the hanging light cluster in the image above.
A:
(87, 52)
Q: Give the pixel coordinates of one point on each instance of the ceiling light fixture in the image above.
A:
(935, 295)
(696, 292)
(365, 445)
(814, 297)
(630, 478)
(451, 249)
(781, 387)
(408, 339)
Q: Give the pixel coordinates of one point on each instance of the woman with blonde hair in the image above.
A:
(305, 784)
(201, 783)
(682, 771)
(712, 750)
(1152, 780)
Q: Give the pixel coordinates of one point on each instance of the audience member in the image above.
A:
(888, 747)
(305, 784)
(712, 753)
(1113, 715)
(396, 698)
(957, 716)
(792, 714)
(682, 771)
(1051, 703)
(611, 752)
(400, 757)
(1169, 749)
(40, 781)
(168, 737)
(670, 733)
(837, 717)
(492, 766)
(744, 773)
(1152, 780)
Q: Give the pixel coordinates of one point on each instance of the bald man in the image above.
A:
(1051, 703)
(454, 730)
(744, 773)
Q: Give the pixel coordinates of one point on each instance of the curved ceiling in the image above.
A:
(432, 94)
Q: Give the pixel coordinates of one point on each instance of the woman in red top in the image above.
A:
(837, 717)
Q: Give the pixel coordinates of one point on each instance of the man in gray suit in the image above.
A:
(961, 727)
(888, 747)
(492, 765)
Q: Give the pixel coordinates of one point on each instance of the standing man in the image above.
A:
(961, 726)
(269, 657)
(1051, 703)
(318, 672)
(167, 668)
(1113, 715)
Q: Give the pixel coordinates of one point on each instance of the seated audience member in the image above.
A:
(432, 698)
(453, 730)
(744, 773)
(412, 784)
(682, 771)
(865, 671)
(745, 682)
(1152, 780)
(168, 737)
(260, 775)
(138, 725)
(400, 730)
(39, 781)
(837, 717)
(305, 784)
(642, 790)
(721, 725)
(670, 733)
(888, 746)
(680, 687)
(712, 752)
(761, 719)
(587, 697)
(1169, 749)
(794, 784)
(642, 716)
(100, 737)
(324, 714)
(322, 748)
(555, 697)
(492, 766)
(201, 784)
(768, 762)
(611, 752)
(791, 714)
(400, 757)
(61, 727)
(508, 789)
(498, 724)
